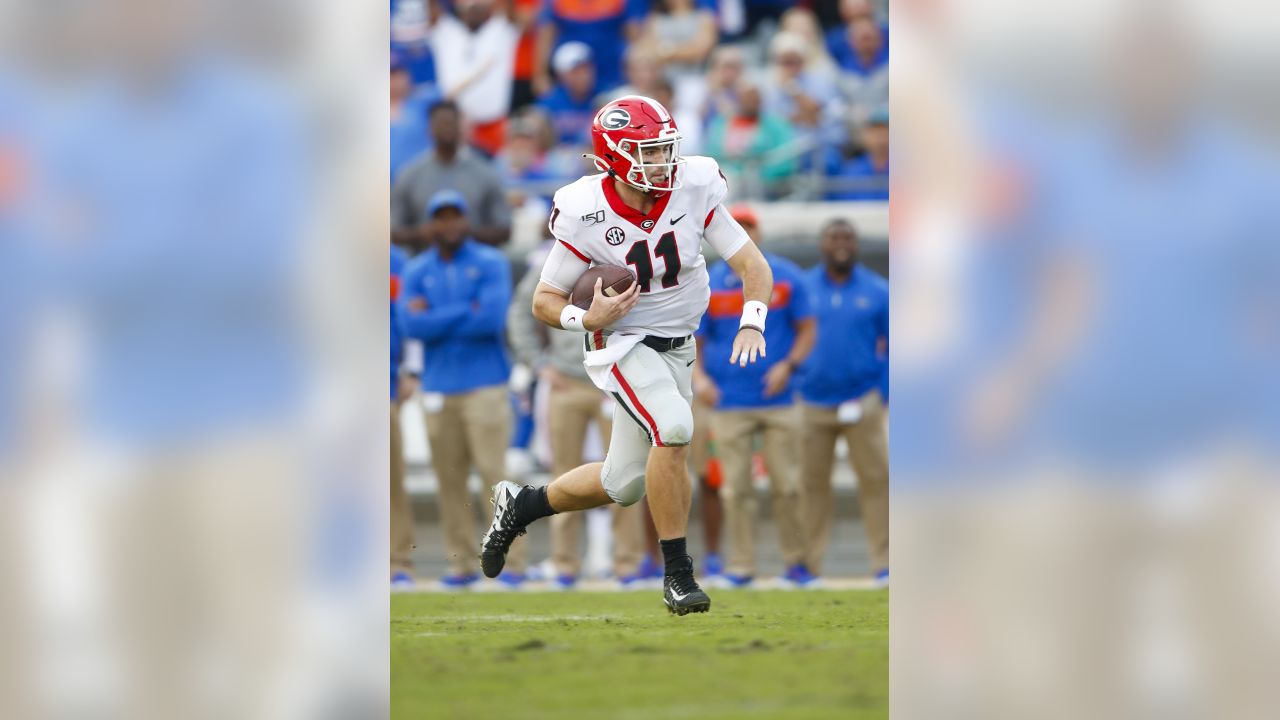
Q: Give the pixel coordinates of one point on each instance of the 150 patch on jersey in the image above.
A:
(592, 218)
(614, 236)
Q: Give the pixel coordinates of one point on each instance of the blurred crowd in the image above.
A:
(790, 98)
(489, 378)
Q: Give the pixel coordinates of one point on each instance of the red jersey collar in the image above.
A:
(641, 220)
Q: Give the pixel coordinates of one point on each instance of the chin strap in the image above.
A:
(601, 165)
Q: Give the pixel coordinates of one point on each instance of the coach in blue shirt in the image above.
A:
(756, 401)
(454, 299)
(841, 390)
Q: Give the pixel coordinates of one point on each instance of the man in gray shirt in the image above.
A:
(449, 165)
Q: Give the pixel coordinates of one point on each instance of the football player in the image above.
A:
(650, 209)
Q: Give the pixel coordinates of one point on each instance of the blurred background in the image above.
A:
(1084, 452)
(192, 218)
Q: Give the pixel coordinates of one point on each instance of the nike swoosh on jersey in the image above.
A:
(691, 362)
(676, 220)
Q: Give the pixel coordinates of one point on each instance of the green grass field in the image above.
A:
(766, 654)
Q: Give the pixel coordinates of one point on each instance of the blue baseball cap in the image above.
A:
(447, 198)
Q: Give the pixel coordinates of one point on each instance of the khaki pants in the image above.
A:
(735, 431)
(869, 452)
(571, 407)
(470, 429)
(700, 448)
(401, 508)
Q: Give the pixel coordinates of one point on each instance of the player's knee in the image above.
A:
(624, 485)
(676, 427)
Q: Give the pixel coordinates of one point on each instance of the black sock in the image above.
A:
(675, 557)
(532, 504)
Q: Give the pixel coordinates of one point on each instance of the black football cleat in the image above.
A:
(682, 595)
(502, 531)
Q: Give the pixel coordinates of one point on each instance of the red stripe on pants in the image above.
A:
(657, 439)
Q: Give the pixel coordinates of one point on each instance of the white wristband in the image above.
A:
(753, 315)
(571, 318)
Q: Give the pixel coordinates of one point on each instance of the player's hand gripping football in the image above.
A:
(748, 345)
(606, 311)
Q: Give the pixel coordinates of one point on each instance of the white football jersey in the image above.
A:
(592, 226)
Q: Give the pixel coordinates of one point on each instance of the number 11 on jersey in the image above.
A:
(666, 248)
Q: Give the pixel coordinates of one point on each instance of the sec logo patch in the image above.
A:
(614, 236)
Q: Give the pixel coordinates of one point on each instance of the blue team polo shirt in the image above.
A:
(852, 316)
(859, 167)
(462, 329)
(600, 25)
(743, 388)
(398, 261)
(570, 118)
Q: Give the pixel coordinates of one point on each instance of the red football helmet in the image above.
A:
(621, 134)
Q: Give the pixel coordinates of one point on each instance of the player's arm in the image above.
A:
(731, 241)
(564, 265)
(757, 287)
(551, 306)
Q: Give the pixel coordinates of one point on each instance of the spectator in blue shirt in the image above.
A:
(864, 176)
(606, 27)
(409, 106)
(409, 27)
(454, 299)
(756, 401)
(864, 84)
(841, 393)
(570, 103)
(402, 388)
(840, 42)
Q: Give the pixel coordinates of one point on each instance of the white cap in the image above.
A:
(570, 55)
(787, 42)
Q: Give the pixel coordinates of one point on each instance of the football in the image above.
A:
(615, 279)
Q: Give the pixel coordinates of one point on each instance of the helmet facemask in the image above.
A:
(641, 172)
